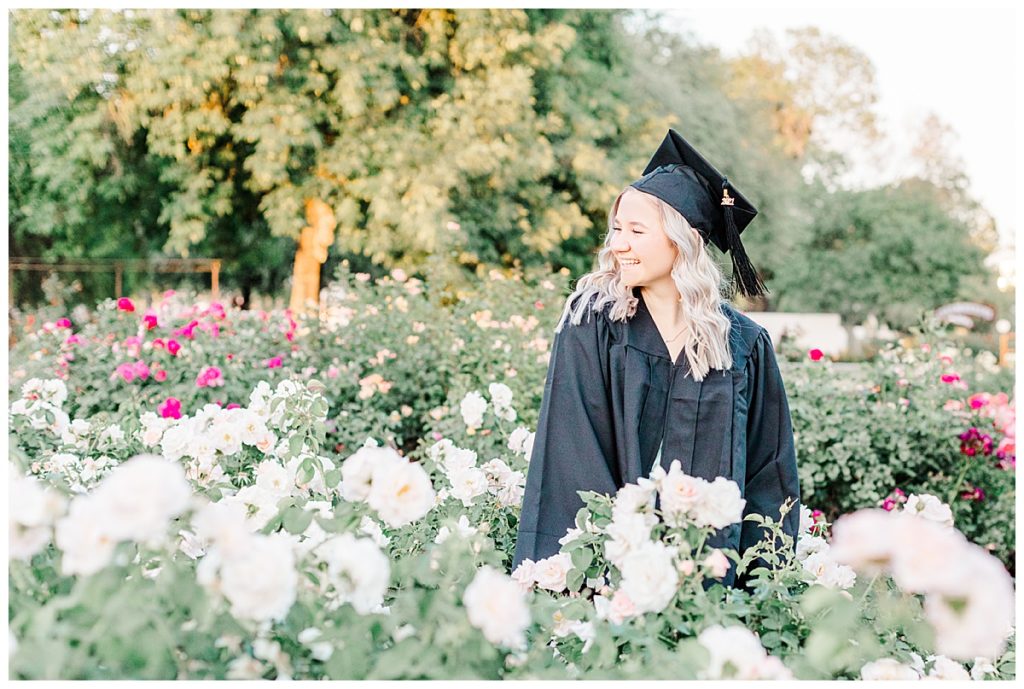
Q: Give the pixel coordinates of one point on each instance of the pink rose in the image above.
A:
(950, 377)
(717, 563)
(210, 377)
(160, 375)
(233, 405)
(332, 372)
(150, 320)
(173, 347)
(125, 304)
(63, 323)
(815, 354)
(170, 408)
(274, 362)
(127, 372)
(73, 339)
(622, 608)
(979, 400)
(141, 370)
(187, 331)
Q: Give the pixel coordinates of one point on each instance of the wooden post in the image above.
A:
(1004, 347)
(118, 270)
(215, 278)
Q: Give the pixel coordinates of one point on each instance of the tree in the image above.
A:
(472, 135)
(819, 93)
(893, 252)
(730, 128)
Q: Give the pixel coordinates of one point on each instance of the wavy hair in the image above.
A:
(698, 279)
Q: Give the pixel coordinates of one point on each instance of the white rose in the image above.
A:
(806, 519)
(517, 439)
(357, 471)
(457, 459)
(524, 574)
(627, 532)
(222, 524)
(807, 545)
(400, 492)
(462, 527)
(496, 606)
(887, 669)
(929, 507)
(358, 570)
(863, 540)
(649, 576)
(632, 498)
(260, 581)
(274, 478)
(982, 667)
(84, 536)
(944, 668)
(736, 653)
(467, 485)
(510, 493)
(828, 572)
(922, 553)
(226, 438)
(528, 447)
(472, 407)
(721, 504)
(681, 494)
(260, 505)
(144, 493)
(175, 441)
(54, 391)
(973, 615)
(501, 395)
(550, 573)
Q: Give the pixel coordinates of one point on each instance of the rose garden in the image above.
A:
(200, 492)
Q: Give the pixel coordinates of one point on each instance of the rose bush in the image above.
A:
(187, 499)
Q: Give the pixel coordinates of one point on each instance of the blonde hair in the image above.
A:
(698, 280)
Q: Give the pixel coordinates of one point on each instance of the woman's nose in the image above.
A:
(619, 243)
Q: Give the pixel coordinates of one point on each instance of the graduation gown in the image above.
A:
(613, 398)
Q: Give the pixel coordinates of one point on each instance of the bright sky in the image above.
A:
(959, 63)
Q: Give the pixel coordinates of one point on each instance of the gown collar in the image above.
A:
(643, 333)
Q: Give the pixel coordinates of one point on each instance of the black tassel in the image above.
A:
(743, 272)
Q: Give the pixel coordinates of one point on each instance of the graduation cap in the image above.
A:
(681, 177)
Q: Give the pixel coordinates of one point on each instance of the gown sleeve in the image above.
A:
(574, 447)
(771, 474)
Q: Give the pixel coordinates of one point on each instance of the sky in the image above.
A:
(957, 62)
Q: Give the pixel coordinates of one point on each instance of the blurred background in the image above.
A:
(182, 149)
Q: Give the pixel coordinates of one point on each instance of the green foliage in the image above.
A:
(203, 132)
(892, 252)
(861, 435)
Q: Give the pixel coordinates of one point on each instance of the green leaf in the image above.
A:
(332, 478)
(581, 558)
(574, 580)
(296, 519)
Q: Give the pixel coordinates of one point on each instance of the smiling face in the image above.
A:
(644, 252)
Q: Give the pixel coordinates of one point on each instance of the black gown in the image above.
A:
(613, 397)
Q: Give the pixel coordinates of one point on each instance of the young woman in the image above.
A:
(650, 364)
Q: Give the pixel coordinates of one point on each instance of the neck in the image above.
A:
(663, 303)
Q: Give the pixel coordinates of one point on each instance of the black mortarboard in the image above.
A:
(681, 177)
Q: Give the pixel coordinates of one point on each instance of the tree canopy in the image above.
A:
(448, 139)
